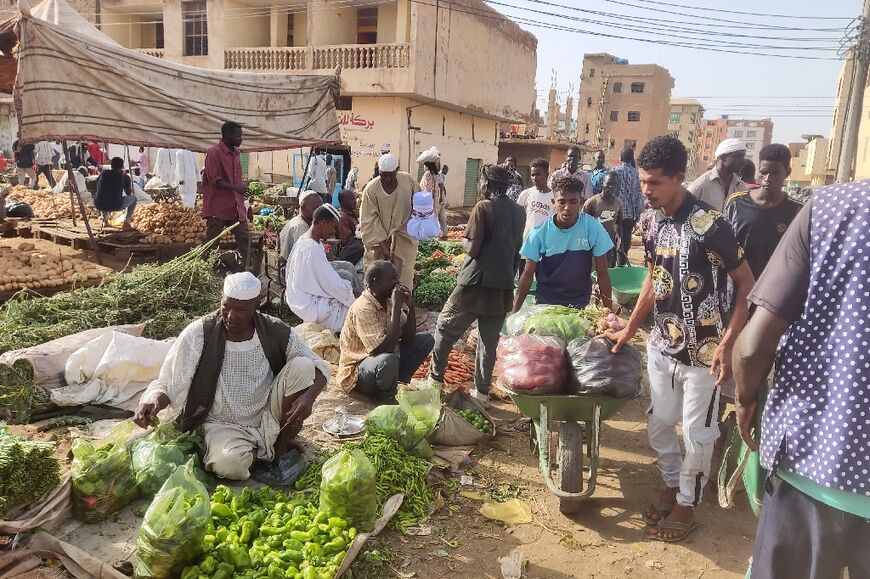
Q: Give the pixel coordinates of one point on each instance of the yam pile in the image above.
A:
(168, 223)
(43, 203)
(24, 267)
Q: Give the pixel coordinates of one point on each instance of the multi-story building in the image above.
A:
(817, 161)
(685, 123)
(621, 105)
(838, 121)
(413, 74)
(757, 134)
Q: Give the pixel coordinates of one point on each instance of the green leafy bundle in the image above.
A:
(28, 470)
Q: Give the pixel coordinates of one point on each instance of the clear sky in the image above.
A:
(742, 85)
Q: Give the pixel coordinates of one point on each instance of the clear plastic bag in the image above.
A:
(599, 372)
(392, 421)
(102, 476)
(531, 364)
(156, 456)
(424, 405)
(171, 534)
(515, 323)
(560, 321)
(348, 489)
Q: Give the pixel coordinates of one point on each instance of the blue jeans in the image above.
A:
(379, 376)
(128, 202)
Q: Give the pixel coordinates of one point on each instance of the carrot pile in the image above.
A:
(460, 368)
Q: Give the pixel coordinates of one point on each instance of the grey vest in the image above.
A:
(496, 265)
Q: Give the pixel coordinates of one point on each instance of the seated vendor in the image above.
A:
(379, 343)
(561, 251)
(308, 201)
(244, 377)
(317, 292)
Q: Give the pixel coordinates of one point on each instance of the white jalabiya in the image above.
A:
(164, 166)
(315, 292)
(187, 176)
(242, 399)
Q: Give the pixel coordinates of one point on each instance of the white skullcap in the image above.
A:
(332, 210)
(729, 146)
(430, 155)
(242, 286)
(388, 163)
(306, 194)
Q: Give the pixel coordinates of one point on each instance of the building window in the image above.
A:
(614, 116)
(706, 158)
(675, 118)
(750, 146)
(588, 102)
(591, 73)
(691, 136)
(637, 87)
(675, 134)
(694, 118)
(367, 25)
(587, 128)
(290, 27)
(617, 87)
(195, 19)
(738, 134)
(751, 134)
(344, 103)
(158, 35)
(612, 143)
(629, 144)
(633, 116)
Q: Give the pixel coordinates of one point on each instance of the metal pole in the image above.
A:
(861, 56)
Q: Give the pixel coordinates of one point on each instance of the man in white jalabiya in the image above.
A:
(316, 291)
(245, 378)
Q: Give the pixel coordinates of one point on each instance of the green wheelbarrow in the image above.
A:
(626, 283)
(574, 480)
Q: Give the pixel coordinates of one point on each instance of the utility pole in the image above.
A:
(861, 56)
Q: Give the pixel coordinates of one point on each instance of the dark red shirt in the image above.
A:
(222, 164)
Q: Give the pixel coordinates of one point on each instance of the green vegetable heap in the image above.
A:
(156, 456)
(563, 322)
(266, 534)
(433, 290)
(477, 420)
(255, 188)
(27, 470)
(348, 489)
(102, 480)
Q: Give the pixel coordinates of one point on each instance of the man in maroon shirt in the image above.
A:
(223, 191)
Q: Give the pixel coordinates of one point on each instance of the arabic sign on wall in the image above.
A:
(353, 121)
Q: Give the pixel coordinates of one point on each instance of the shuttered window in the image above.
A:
(472, 178)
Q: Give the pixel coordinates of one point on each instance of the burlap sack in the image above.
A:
(452, 429)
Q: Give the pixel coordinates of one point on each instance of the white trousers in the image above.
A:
(679, 392)
(231, 449)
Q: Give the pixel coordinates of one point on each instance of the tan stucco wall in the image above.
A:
(243, 28)
(387, 14)
(332, 25)
(122, 28)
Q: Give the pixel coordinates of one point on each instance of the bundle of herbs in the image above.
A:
(28, 470)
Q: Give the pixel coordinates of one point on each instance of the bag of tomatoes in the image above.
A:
(532, 364)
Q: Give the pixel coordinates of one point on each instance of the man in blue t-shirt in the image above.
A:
(561, 251)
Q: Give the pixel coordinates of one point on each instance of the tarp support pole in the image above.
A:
(74, 188)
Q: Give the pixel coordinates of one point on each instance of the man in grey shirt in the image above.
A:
(308, 201)
(719, 183)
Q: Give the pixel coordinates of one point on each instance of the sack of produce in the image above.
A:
(560, 321)
(348, 489)
(157, 455)
(424, 405)
(531, 364)
(392, 421)
(464, 422)
(598, 371)
(171, 534)
(102, 476)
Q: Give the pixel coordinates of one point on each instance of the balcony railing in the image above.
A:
(266, 58)
(155, 52)
(362, 56)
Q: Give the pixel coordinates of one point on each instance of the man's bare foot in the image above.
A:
(664, 504)
(679, 523)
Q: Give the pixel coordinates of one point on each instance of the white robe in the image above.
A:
(164, 166)
(315, 292)
(187, 176)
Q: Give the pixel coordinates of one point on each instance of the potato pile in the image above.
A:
(24, 267)
(165, 223)
(43, 203)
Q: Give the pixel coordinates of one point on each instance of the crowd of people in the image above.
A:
(350, 269)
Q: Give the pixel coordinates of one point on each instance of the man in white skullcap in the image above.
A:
(309, 200)
(244, 378)
(717, 184)
(384, 216)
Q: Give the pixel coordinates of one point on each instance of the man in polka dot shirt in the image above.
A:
(815, 432)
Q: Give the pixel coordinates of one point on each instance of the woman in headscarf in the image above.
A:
(485, 287)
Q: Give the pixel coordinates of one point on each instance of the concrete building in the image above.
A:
(809, 164)
(621, 105)
(685, 122)
(413, 74)
(799, 177)
(757, 134)
(714, 132)
(838, 121)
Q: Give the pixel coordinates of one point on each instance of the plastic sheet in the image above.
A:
(348, 489)
(600, 372)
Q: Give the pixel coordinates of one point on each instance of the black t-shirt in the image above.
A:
(25, 156)
(759, 229)
(111, 185)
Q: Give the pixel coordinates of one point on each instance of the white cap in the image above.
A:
(729, 146)
(306, 194)
(388, 163)
(242, 286)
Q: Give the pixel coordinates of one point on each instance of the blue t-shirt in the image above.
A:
(565, 259)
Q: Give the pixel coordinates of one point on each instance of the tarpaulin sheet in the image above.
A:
(69, 87)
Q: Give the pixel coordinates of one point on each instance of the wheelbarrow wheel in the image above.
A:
(570, 461)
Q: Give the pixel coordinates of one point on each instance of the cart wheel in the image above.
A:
(570, 460)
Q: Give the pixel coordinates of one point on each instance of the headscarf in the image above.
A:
(500, 178)
(729, 146)
(242, 286)
(388, 163)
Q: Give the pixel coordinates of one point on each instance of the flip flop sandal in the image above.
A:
(666, 525)
(661, 507)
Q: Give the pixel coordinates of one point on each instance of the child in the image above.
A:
(607, 208)
(424, 225)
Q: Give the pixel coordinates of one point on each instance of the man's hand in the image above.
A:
(398, 296)
(618, 337)
(745, 422)
(721, 364)
(300, 409)
(406, 294)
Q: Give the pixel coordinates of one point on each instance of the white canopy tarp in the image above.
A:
(68, 87)
(62, 14)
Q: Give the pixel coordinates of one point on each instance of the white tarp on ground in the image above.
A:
(69, 87)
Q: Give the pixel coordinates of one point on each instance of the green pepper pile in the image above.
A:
(477, 419)
(265, 534)
(102, 480)
(27, 470)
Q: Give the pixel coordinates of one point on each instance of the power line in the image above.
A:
(763, 14)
